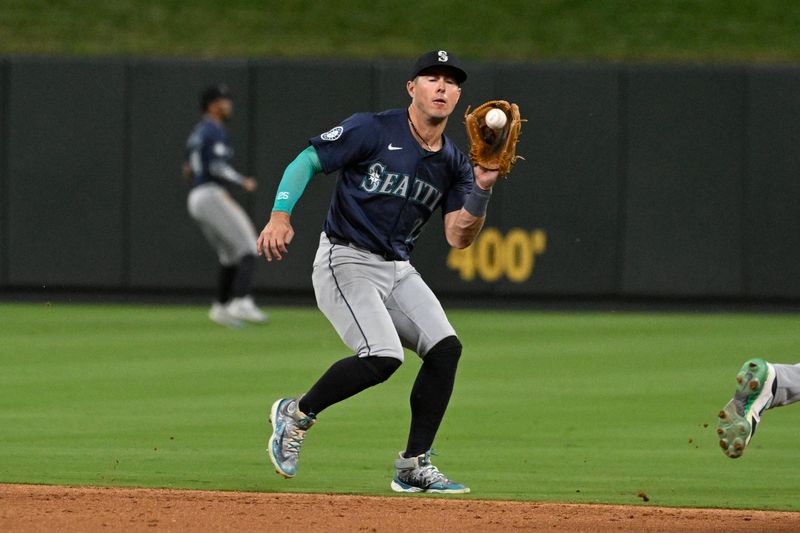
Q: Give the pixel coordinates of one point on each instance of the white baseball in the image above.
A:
(496, 119)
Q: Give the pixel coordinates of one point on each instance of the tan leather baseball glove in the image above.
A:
(493, 149)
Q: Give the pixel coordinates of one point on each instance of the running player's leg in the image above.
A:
(236, 236)
(225, 282)
(230, 231)
(223, 223)
(350, 286)
(760, 386)
(787, 389)
(227, 269)
(422, 324)
(239, 233)
(200, 206)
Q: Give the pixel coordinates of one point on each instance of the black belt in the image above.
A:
(343, 242)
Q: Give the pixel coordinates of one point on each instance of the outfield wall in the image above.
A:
(638, 180)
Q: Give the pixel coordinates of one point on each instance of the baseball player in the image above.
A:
(395, 169)
(761, 386)
(222, 220)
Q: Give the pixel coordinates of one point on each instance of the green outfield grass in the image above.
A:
(605, 30)
(575, 407)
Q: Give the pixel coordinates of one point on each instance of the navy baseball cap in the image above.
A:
(439, 59)
(214, 92)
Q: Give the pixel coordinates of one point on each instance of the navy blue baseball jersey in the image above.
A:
(209, 154)
(389, 185)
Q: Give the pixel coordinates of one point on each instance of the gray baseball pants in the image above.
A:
(377, 306)
(788, 378)
(223, 221)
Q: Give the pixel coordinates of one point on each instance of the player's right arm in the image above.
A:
(278, 232)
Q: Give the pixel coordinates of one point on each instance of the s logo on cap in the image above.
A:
(443, 56)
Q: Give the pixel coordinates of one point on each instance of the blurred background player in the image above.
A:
(761, 386)
(223, 221)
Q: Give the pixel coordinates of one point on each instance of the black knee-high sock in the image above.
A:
(347, 377)
(431, 394)
(224, 282)
(243, 277)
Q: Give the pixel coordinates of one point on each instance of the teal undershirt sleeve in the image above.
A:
(295, 178)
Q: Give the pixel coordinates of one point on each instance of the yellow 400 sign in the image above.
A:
(493, 255)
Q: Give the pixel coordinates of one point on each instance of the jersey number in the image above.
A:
(415, 232)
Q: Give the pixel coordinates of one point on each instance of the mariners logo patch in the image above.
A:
(332, 135)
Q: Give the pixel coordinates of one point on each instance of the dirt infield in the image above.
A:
(69, 509)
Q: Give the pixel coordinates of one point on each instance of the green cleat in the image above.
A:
(740, 416)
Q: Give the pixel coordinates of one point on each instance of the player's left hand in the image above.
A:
(484, 177)
(495, 146)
